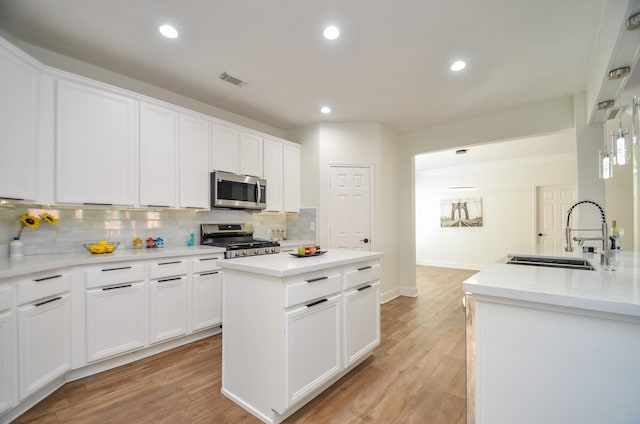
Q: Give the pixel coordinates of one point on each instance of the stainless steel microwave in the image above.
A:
(237, 191)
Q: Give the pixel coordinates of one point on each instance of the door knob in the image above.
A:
(540, 234)
(365, 240)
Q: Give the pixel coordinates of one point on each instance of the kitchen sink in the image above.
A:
(567, 263)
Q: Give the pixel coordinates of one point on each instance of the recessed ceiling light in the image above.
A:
(325, 109)
(331, 33)
(168, 31)
(458, 66)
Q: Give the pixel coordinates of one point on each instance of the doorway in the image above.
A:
(350, 207)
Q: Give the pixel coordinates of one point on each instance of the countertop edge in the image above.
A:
(15, 268)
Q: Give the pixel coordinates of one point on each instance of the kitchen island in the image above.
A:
(554, 345)
(294, 326)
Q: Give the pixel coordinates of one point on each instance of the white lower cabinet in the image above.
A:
(312, 351)
(7, 361)
(115, 320)
(206, 300)
(362, 321)
(44, 338)
(167, 308)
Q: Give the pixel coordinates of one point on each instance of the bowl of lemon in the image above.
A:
(101, 247)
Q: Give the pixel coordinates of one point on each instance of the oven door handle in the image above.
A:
(258, 192)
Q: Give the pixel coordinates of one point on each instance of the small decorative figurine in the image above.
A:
(159, 242)
(151, 242)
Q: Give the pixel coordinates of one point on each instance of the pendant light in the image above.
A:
(605, 159)
(621, 147)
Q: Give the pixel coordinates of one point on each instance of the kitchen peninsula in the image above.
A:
(293, 326)
(554, 345)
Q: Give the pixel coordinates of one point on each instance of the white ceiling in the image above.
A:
(390, 65)
(513, 151)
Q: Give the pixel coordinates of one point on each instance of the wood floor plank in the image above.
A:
(416, 375)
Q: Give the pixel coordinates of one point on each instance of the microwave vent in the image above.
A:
(225, 76)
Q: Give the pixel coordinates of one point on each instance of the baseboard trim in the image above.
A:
(397, 292)
(456, 265)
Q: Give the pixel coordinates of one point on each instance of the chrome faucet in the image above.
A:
(604, 259)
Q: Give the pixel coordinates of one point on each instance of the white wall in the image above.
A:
(507, 190)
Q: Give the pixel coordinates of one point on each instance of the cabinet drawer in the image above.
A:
(312, 288)
(362, 274)
(5, 297)
(168, 268)
(207, 263)
(43, 286)
(115, 274)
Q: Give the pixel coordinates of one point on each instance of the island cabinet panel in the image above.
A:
(284, 328)
(96, 145)
(312, 351)
(362, 321)
(540, 363)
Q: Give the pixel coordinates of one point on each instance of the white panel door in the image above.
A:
(18, 125)
(194, 162)
(96, 145)
(312, 351)
(553, 202)
(167, 308)
(273, 173)
(44, 347)
(292, 176)
(225, 149)
(362, 321)
(7, 361)
(206, 300)
(251, 154)
(349, 208)
(158, 156)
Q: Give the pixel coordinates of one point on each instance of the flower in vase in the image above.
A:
(33, 222)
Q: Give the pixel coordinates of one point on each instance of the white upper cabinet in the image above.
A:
(18, 124)
(96, 144)
(250, 154)
(158, 156)
(273, 173)
(282, 172)
(236, 151)
(225, 149)
(194, 161)
(292, 178)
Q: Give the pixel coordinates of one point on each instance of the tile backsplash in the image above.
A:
(88, 224)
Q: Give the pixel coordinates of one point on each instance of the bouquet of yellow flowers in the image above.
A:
(33, 222)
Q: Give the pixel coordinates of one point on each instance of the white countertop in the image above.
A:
(284, 264)
(39, 263)
(615, 291)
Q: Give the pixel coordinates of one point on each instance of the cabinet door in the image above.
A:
(167, 309)
(194, 162)
(7, 361)
(273, 174)
(44, 342)
(312, 351)
(158, 156)
(251, 154)
(292, 178)
(115, 320)
(362, 321)
(18, 125)
(95, 145)
(206, 300)
(225, 149)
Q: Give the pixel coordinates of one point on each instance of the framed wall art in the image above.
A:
(461, 212)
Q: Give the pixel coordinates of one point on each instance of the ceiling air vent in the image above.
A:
(232, 79)
(613, 113)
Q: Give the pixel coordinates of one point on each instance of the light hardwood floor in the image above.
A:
(416, 375)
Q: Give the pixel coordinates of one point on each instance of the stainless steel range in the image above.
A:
(237, 239)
